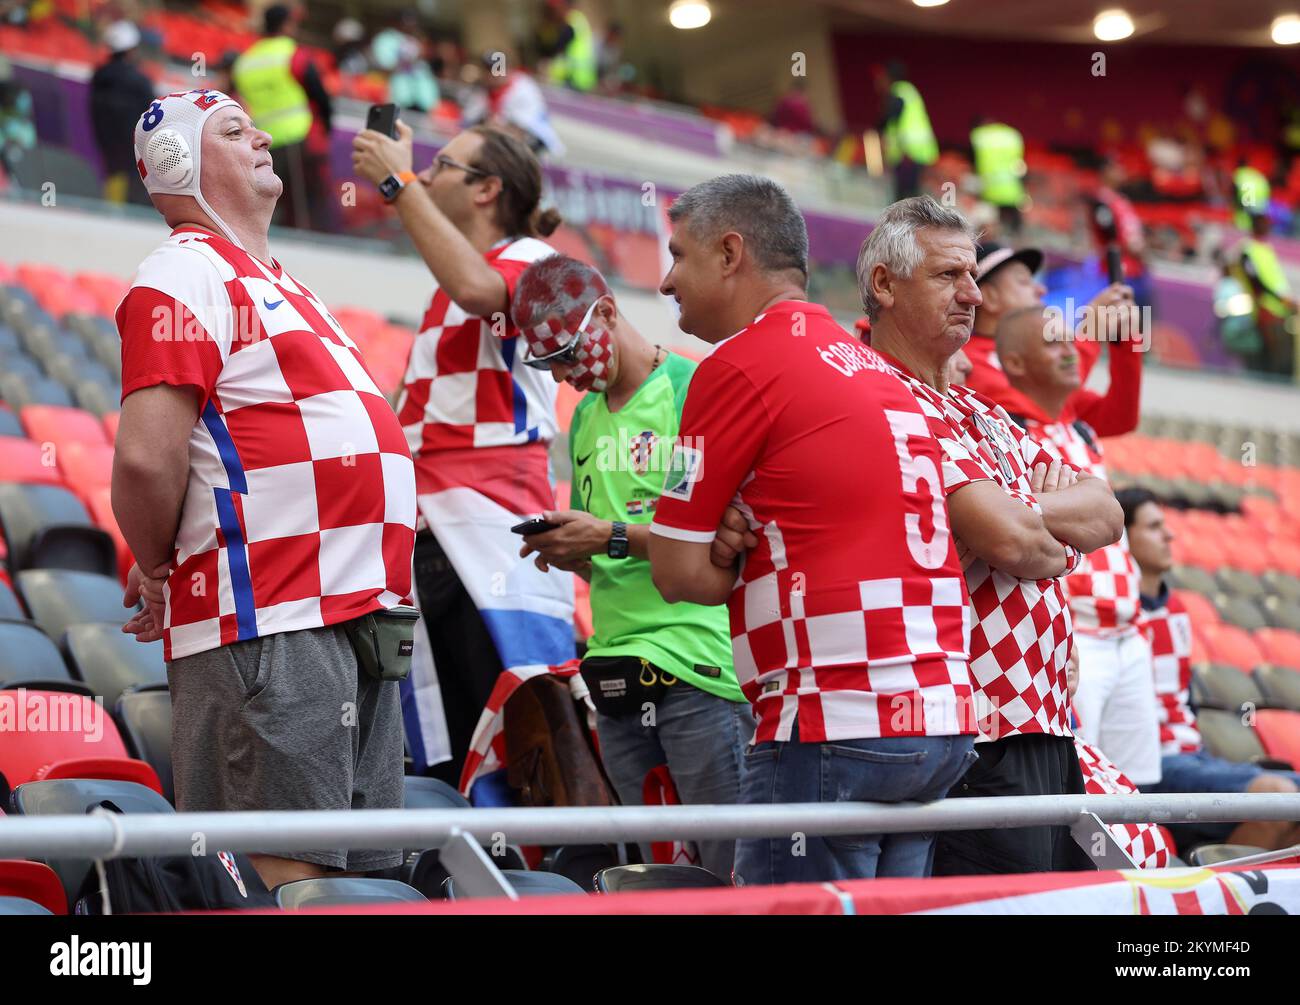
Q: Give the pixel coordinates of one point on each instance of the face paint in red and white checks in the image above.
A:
(593, 358)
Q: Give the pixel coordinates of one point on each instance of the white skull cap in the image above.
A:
(169, 143)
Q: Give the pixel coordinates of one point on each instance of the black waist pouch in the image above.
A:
(621, 685)
(384, 641)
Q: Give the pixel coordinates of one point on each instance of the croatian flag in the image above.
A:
(528, 613)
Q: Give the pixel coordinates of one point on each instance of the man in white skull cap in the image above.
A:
(266, 490)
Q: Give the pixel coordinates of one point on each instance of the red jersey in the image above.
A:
(849, 618)
(1168, 628)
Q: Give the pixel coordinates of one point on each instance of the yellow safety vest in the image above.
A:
(1000, 163)
(1268, 270)
(910, 135)
(576, 66)
(276, 101)
(1252, 194)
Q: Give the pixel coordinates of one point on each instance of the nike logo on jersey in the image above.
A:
(584, 460)
(271, 306)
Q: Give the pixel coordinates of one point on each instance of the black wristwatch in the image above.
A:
(617, 547)
(392, 186)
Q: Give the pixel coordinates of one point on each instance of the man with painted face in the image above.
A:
(661, 675)
(264, 486)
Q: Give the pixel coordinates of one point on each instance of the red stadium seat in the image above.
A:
(110, 425)
(100, 504)
(1231, 645)
(27, 461)
(1280, 646)
(1199, 608)
(1279, 731)
(33, 881)
(75, 739)
(86, 466)
(59, 425)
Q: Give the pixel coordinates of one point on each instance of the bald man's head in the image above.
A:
(1036, 360)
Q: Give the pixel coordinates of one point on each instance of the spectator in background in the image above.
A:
(1007, 283)
(1186, 766)
(477, 419)
(905, 130)
(1020, 520)
(119, 92)
(570, 49)
(661, 675)
(349, 37)
(793, 111)
(848, 623)
(17, 130)
(1115, 223)
(399, 50)
(616, 73)
(1114, 704)
(283, 92)
(254, 504)
(1260, 271)
(515, 103)
(998, 154)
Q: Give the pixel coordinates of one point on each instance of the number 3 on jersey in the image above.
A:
(929, 554)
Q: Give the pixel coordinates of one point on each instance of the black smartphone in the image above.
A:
(1114, 264)
(383, 119)
(534, 526)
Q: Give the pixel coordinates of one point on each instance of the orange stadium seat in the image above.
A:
(1230, 644)
(1279, 731)
(27, 461)
(1199, 608)
(60, 425)
(86, 466)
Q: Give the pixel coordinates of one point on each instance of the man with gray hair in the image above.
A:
(770, 418)
(1022, 520)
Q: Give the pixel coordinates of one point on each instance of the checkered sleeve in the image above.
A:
(510, 270)
(724, 424)
(164, 343)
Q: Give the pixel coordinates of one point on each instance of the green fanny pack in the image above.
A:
(384, 641)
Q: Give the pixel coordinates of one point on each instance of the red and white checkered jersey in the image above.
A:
(1104, 590)
(465, 384)
(1168, 627)
(1147, 844)
(1020, 633)
(300, 508)
(849, 618)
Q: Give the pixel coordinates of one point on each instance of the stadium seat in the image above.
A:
(581, 862)
(77, 796)
(1213, 854)
(86, 466)
(144, 715)
(34, 881)
(1235, 582)
(20, 392)
(1240, 611)
(1189, 577)
(1282, 585)
(419, 792)
(1282, 613)
(526, 884)
(23, 460)
(1280, 646)
(110, 425)
(639, 878)
(61, 598)
(1217, 685)
(62, 425)
(1227, 736)
(1199, 607)
(21, 905)
(1232, 645)
(336, 891)
(10, 608)
(1279, 685)
(10, 424)
(1278, 730)
(29, 658)
(100, 503)
(47, 526)
(111, 662)
(424, 870)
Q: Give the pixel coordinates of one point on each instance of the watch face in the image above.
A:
(389, 187)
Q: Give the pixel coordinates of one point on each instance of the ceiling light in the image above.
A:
(687, 14)
(1286, 29)
(1112, 25)
(929, 3)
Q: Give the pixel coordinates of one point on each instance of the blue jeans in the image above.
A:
(886, 770)
(1203, 772)
(700, 737)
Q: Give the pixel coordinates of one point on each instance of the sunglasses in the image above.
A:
(567, 356)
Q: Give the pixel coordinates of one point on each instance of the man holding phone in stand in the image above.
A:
(478, 421)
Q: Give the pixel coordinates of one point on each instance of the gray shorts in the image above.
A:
(287, 722)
